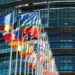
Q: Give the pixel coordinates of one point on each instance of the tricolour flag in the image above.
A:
(8, 22)
(25, 29)
(34, 31)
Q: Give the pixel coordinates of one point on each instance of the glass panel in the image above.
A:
(62, 45)
(59, 17)
(62, 38)
(66, 63)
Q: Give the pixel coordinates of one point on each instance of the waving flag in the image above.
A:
(25, 29)
(31, 49)
(19, 36)
(17, 45)
(35, 31)
(32, 61)
(32, 30)
(29, 18)
(8, 20)
(29, 22)
(7, 36)
(26, 51)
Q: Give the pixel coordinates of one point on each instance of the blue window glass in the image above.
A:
(58, 17)
(62, 45)
(65, 63)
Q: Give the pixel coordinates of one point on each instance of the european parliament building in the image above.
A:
(58, 20)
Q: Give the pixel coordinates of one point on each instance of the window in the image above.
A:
(66, 63)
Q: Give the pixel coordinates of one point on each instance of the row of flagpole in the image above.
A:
(39, 64)
(10, 64)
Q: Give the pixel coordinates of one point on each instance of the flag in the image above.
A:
(8, 21)
(19, 36)
(23, 54)
(32, 60)
(28, 18)
(23, 51)
(28, 24)
(13, 43)
(26, 51)
(7, 36)
(17, 45)
(40, 55)
(31, 65)
(25, 29)
(30, 49)
(35, 31)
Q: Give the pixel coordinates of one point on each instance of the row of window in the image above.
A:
(65, 59)
(62, 38)
(4, 67)
(57, 23)
(58, 17)
(70, 33)
(66, 67)
(66, 63)
(62, 45)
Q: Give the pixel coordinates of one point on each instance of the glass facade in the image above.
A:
(59, 16)
(66, 63)
(57, 21)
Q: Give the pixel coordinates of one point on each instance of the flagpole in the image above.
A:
(17, 46)
(27, 57)
(26, 63)
(40, 64)
(43, 50)
(32, 56)
(47, 37)
(36, 58)
(10, 63)
(21, 50)
(33, 72)
(38, 67)
(33, 23)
